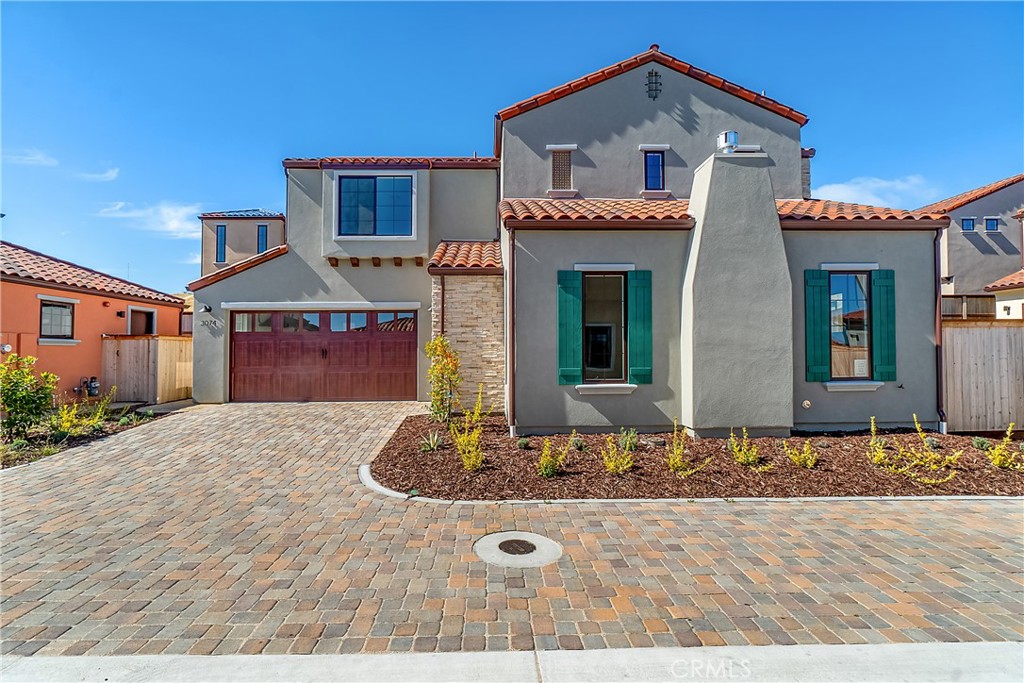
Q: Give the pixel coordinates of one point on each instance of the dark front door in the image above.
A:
(323, 356)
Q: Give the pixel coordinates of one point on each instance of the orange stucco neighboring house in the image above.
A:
(59, 311)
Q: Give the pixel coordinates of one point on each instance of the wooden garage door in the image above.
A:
(323, 356)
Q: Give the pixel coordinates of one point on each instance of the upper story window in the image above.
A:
(654, 170)
(261, 239)
(561, 170)
(222, 240)
(991, 224)
(967, 224)
(56, 320)
(375, 206)
(850, 322)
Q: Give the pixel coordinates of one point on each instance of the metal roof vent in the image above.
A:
(727, 141)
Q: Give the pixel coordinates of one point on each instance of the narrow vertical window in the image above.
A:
(261, 239)
(850, 321)
(561, 170)
(222, 239)
(604, 333)
(967, 224)
(654, 170)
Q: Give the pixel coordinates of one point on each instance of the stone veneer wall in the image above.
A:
(474, 324)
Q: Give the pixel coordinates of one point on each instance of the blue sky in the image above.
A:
(122, 121)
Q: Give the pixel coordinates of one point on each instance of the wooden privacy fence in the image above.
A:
(983, 367)
(148, 368)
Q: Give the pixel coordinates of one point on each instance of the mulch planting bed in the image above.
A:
(38, 438)
(843, 469)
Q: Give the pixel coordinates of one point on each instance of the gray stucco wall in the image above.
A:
(611, 119)
(461, 207)
(544, 406)
(910, 254)
(737, 346)
(979, 258)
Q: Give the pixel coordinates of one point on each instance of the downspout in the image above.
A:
(512, 331)
(939, 399)
(442, 305)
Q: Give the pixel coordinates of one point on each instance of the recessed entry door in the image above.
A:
(323, 355)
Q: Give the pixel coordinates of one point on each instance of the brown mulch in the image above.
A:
(509, 473)
(38, 439)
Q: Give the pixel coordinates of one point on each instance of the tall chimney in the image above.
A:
(806, 154)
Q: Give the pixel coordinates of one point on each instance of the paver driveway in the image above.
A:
(243, 528)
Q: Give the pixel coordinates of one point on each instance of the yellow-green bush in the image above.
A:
(466, 436)
(745, 452)
(616, 461)
(1002, 455)
(805, 457)
(445, 376)
(677, 460)
(551, 461)
(924, 465)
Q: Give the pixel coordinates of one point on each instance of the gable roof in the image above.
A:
(641, 213)
(463, 256)
(392, 162)
(964, 198)
(235, 268)
(243, 213)
(27, 264)
(654, 54)
(1011, 281)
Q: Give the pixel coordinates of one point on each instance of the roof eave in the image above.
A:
(597, 224)
(862, 224)
(464, 270)
(237, 268)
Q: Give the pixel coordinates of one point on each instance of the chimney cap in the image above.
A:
(655, 47)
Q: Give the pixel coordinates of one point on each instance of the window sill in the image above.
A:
(605, 389)
(655, 194)
(45, 341)
(375, 238)
(562, 194)
(856, 385)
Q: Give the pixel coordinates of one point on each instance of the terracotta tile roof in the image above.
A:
(652, 55)
(19, 262)
(473, 257)
(964, 198)
(1011, 281)
(243, 213)
(236, 268)
(393, 162)
(826, 209)
(586, 210)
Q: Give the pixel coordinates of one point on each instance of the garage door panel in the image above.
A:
(324, 356)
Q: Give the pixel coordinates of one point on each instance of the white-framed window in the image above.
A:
(991, 223)
(222, 243)
(967, 224)
(56, 319)
(375, 205)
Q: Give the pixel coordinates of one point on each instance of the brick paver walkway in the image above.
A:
(243, 529)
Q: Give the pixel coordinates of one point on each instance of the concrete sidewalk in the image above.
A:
(812, 663)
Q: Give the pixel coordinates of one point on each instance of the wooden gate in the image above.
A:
(983, 368)
(148, 368)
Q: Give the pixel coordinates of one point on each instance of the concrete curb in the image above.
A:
(367, 480)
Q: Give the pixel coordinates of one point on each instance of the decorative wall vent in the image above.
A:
(653, 84)
(561, 170)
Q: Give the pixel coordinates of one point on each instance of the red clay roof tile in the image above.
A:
(19, 262)
(977, 193)
(652, 55)
(826, 209)
(466, 255)
(236, 268)
(393, 162)
(1011, 281)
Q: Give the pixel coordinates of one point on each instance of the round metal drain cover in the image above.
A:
(516, 546)
(517, 549)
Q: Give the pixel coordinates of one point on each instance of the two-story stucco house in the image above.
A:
(232, 236)
(642, 247)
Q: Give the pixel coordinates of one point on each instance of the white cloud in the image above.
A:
(908, 192)
(194, 259)
(104, 177)
(31, 157)
(168, 218)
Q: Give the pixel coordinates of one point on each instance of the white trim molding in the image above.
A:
(47, 341)
(321, 305)
(655, 194)
(562, 148)
(603, 267)
(856, 385)
(654, 148)
(849, 266)
(562, 194)
(58, 299)
(144, 309)
(605, 389)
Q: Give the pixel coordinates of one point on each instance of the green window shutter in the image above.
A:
(570, 327)
(638, 305)
(883, 325)
(816, 326)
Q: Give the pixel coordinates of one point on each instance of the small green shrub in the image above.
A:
(1002, 457)
(628, 439)
(19, 445)
(805, 457)
(550, 462)
(25, 396)
(578, 443)
(49, 449)
(932, 443)
(431, 442)
(124, 421)
(616, 461)
(523, 444)
(981, 443)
